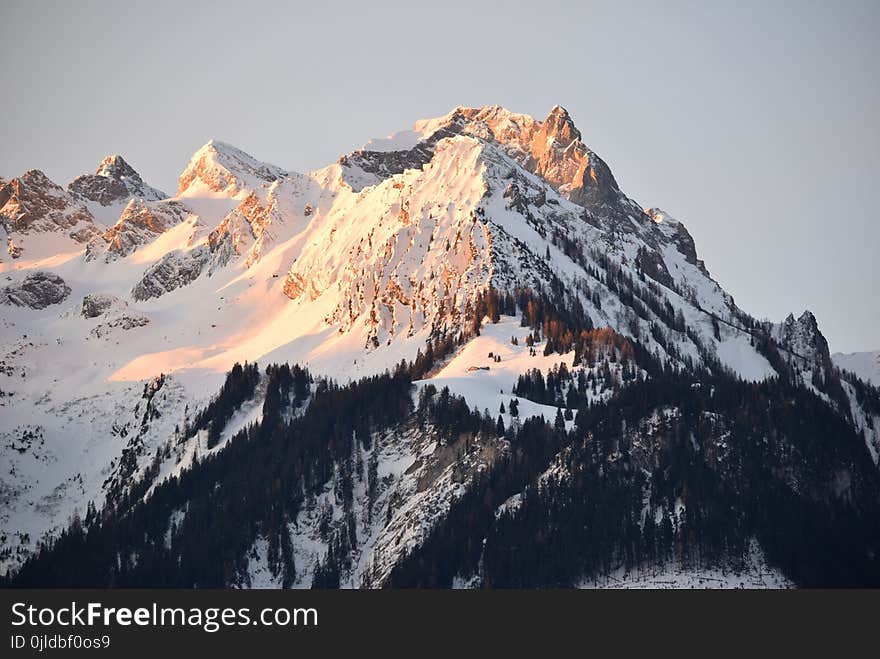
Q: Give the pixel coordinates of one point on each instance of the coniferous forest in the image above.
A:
(768, 462)
(676, 467)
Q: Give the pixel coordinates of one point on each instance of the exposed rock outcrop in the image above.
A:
(140, 223)
(175, 269)
(122, 322)
(653, 265)
(95, 304)
(113, 182)
(37, 290)
(802, 338)
(245, 230)
(678, 234)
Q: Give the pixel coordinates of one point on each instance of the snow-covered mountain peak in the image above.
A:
(35, 178)
(422, 234)
(32, 204)
(551, 149)
(112, 185)
(114, 166)
(506, 126)
(221, 168)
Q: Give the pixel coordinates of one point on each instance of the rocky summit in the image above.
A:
(114, 181)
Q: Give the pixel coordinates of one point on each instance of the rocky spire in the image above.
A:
(114, 166)
(560, 126)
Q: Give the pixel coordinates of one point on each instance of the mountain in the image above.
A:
(221, 168)
(109, 191)
(469, 338)
(31, 206)
(114, 181)
(865, 365)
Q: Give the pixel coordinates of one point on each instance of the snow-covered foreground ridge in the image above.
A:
(122, 308)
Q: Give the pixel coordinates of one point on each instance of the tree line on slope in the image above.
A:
(268, 471)
(735, 462)
(253, 488)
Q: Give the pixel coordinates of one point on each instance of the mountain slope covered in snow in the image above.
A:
(865, 365)
(468, 254)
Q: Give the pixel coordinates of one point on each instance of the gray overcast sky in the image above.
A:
(755, 123)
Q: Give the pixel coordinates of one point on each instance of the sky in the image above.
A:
(754, 123)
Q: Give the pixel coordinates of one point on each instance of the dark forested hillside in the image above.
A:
(672, 469)
(253, 487)
(678, 468)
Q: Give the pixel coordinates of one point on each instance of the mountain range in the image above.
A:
(460, 356)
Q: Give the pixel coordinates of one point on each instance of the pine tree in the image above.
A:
(559, 423)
